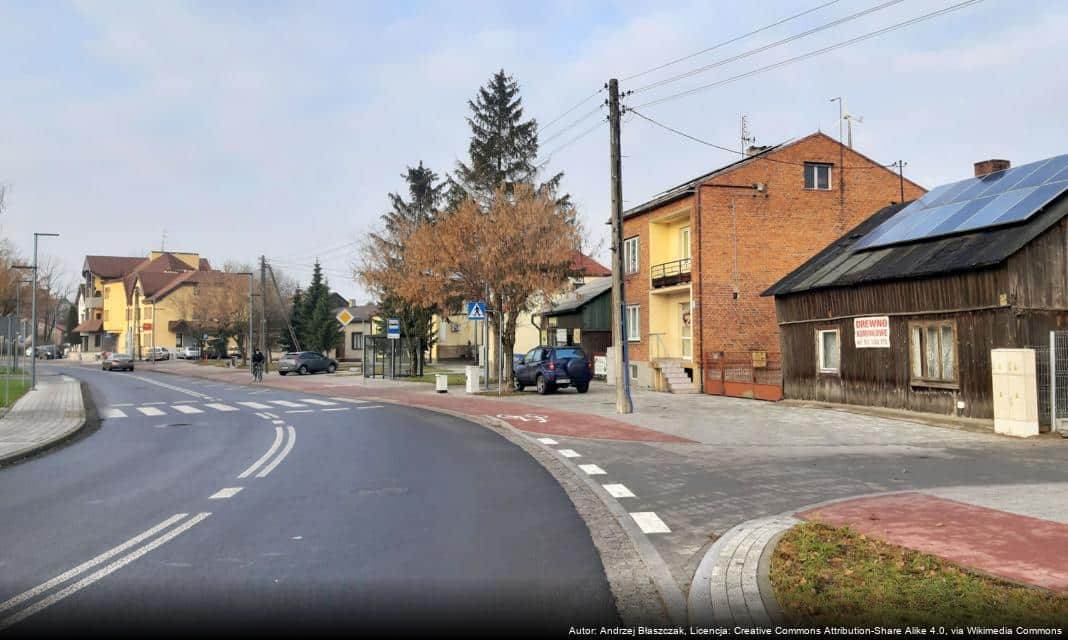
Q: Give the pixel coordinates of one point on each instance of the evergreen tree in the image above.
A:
(503, 148)
(319, 328)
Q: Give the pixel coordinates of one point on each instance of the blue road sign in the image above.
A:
(476, 310)
(393, 328)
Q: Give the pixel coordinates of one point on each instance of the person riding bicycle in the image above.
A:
(257, 364)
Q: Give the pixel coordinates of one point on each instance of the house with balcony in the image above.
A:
(698, 256)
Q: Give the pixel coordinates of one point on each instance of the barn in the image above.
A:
(903, 310)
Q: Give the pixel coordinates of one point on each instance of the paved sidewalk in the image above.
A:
(1009, 545)
(42, 417)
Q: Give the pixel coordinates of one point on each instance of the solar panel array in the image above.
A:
(999, 198)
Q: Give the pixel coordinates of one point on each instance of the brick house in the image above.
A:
(695, 268)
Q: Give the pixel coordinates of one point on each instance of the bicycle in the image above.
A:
(257, 372)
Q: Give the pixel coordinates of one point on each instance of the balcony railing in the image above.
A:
(94, 302)
(670, 273)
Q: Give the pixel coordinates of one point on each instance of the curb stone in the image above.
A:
(76, 416)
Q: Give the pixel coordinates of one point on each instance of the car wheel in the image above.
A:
(516, 386)
(303, 370)
(582, 388)
(282, 373)
(332, 368)
(542, 385)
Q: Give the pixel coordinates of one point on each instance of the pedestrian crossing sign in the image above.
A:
(476, 310)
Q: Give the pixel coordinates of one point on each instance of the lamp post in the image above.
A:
(33, 321)
(15, 343)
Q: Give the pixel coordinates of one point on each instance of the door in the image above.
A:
(685, 331)
(528, 366)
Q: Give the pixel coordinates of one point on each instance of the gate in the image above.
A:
(744, 374)
(1051, 369)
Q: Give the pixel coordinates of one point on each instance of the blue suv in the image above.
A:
(550, 368)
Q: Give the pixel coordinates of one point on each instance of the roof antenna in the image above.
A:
(163, 241)
(850, 119)
(747, 137)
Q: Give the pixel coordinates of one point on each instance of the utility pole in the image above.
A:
(248, 346)
(263, 307)
(619, 336)
(33, 328)
(901, 178)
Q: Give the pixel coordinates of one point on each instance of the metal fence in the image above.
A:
(1052, 375)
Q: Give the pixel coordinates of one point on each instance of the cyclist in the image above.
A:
(257, 365)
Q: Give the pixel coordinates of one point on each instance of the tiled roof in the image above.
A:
(587, 266)
(112, 267)
(90, 326)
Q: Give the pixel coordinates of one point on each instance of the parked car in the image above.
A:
(303, 362)
(233, 352)
(118, 362)
(158, 353)
(550, 368)
(45, 352)
(188, 353)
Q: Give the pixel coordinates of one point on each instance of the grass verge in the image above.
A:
(822, 575)
(16, 388)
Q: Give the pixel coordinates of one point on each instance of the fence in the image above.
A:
(1052, 375)
(744, 374)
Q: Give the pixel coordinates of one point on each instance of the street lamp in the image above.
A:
(33, 342)
(15, 343)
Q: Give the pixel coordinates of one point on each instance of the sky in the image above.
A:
(242, 128)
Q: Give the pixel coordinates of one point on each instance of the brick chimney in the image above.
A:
(990, 166)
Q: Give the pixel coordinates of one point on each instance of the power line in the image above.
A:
(769, 46)
(731, 41)
(810, 54)
(569, 110)
(549, 156)
(573, 124)
(735, 151)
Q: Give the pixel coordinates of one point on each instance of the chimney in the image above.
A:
(352, 302)
(754, 150)
(987, 167)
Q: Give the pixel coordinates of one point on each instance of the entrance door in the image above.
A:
(686, 330)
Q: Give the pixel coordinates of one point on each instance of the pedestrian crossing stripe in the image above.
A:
(218, 406)
(325, 403)
(184, 408)
(188, 409)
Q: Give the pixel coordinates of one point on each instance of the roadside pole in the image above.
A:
(249, 343)
(623, 404)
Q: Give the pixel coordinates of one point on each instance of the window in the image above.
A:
(633, 372)
(630, 256)
(817, 176)
(357, 340)
(933, 353)
(96, 339)
(827, 350)
(684, 243)
(634, 327)
(533, 356)
(179, 340)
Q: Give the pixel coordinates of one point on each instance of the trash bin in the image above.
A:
(442, 382)
(472, 378)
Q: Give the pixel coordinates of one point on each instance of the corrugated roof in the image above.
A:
(840, 264)
(579, 297)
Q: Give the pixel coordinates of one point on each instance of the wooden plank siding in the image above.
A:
(1015, 304)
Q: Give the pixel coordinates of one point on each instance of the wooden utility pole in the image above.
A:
(901, 178)
(619, 336)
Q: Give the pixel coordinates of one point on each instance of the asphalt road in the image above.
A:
(286, 515)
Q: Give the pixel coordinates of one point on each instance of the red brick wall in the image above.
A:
(772, 233)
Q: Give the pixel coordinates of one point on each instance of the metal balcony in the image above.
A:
(671, 273)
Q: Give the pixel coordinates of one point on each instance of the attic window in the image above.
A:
(818, 176)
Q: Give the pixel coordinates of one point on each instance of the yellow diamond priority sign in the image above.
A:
(344, 317)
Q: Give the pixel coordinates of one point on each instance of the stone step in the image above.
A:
(687, 390)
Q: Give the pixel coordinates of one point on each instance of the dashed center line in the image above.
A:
(592, 470)
(618, 491)
(226, 493)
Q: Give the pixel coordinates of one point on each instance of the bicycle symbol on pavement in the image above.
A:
(524, 418)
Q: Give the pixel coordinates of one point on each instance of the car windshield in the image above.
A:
(570, 352)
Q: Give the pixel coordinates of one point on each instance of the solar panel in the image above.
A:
(1002, 197)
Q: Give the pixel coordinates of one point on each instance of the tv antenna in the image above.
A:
(850, 119)
(747, 137)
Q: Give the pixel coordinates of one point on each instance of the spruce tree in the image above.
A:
(319, 328)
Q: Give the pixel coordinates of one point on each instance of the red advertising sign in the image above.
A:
(872, 332)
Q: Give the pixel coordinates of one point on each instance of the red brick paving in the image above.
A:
(1018, 548)
(558, 423)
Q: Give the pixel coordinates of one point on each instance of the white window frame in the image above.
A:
(819, 351)
(816, 166)
(631, 256)
(634, 325)
(684, 243)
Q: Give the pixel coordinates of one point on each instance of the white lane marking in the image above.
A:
(570, 453)
(114, 413)
(124, 404)
(151, 411)
(286, 403)
(369, 406)
(618, 491)
(592, 469)
(278, 435)
(262, 415)
(548, 441)
(183, 408)
(325, 403)
(351, 400)
(254, 405)
(270, 415)
(278, 421)
(152, 403)
(223, 494)
(299, 411)
(89, 564)
(649, 522)
(188, 392)
(183, 401)
(281, 456)
(103, 573)
(340, 409)
(218, 406)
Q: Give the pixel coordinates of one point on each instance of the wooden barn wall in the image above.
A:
(1038, 273)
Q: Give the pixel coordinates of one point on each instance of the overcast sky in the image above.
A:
(241, 128)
